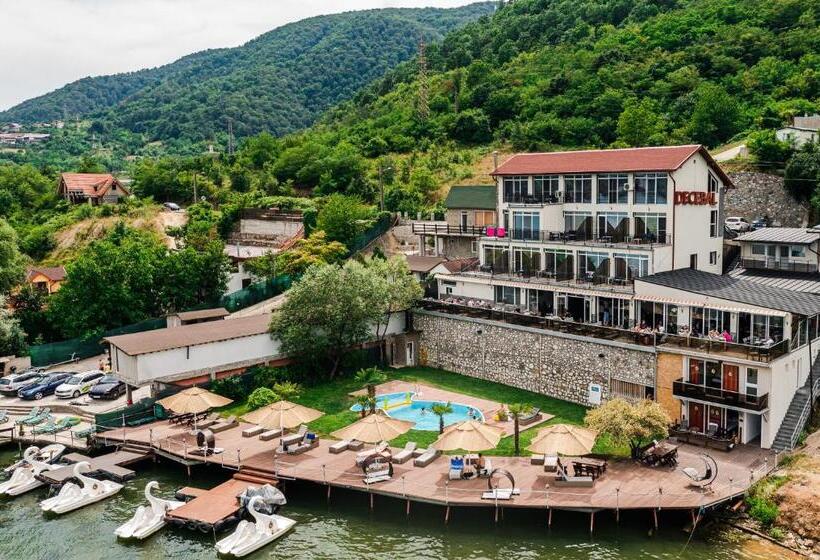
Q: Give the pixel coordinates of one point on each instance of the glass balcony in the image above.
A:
(755, 403)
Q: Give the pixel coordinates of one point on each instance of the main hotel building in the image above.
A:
(626, 247)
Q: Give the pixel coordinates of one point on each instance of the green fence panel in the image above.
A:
(138, 413)
(378, 229)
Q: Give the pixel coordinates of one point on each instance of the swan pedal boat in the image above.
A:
(73, 496)
(149, 519)
(48, 454)
(24, 477)
(253, 535)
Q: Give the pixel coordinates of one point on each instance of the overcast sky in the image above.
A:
(44, 44)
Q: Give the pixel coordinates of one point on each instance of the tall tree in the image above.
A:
(629, 424)
(397, 288)
(343, 218)
(12, 337)
(517, 410)
(12, 262)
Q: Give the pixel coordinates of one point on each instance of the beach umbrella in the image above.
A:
(564, 439)
(470, 435)
(282, 415)
(374, 428)
(193, 400)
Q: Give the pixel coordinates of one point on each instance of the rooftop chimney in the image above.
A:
(495, 160)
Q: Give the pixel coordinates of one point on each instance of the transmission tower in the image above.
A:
(230, 137)
(423, 107)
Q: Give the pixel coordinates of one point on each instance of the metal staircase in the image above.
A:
(797, 414)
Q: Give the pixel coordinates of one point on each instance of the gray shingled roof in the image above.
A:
(479, 197)
(800, 236)
(795, 281)
(735, 289)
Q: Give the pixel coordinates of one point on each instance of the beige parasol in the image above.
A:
(564, 439)
(193, 400)
(374, 428)
(283, 415)
(470, 435)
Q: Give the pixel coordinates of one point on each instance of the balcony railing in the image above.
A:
(539, 199)
(755, 403)
(586, 238)
(588, 278)
(779, 264)
(519, 315)
(432, 228)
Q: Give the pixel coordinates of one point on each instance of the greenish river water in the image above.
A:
(346, 529)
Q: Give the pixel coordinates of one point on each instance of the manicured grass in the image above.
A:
(332, 398)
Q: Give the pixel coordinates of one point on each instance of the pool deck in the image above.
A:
(625, 485)
(426, 392)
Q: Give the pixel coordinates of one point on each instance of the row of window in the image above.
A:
(613, 188)
(616, 225)
(566, 264)
(779, 251)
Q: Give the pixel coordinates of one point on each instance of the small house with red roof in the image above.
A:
(47, 279)
(94, 188)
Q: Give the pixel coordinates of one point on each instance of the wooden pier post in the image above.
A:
(447, 515)
(655, 517)
(549, 517)
(591, 521)
(371, 501)
(618, 504)
(328, 493)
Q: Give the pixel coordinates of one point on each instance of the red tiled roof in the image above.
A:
(53, 273)
(92, 185)
(460, 265)
(626, 160)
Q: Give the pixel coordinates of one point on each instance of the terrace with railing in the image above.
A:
(443, 228)
(518, 315)
(781, 265)
(701, 392)
(580, 237)
(557, 279)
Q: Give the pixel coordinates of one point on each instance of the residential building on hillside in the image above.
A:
(46, 279)
(471, 209)
(802, 130)
(781, 257)
(94, 188)
(620, 251)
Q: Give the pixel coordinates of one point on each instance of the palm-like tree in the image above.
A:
(287, 390)
(517, 410)
(440, 409)
(364, 402)
(370, 377)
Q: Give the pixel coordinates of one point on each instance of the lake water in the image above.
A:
(346, 529)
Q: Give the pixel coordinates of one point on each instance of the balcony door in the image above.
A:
(696, 416)
(730, 378)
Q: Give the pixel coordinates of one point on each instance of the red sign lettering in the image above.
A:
(695, 198)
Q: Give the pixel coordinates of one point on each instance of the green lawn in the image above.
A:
(332, 399)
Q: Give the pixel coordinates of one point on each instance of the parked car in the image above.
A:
(10, 384)
(172, 207)
(760, 222)
(109, 387)
(45, 386)
(78, 384)
(736, 223)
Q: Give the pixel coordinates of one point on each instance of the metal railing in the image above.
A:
(583, 237)
(432, 228)
(804, 415)
(755, 352)
(546, 276)
(779, 265)
(757, 403)
(538, 199)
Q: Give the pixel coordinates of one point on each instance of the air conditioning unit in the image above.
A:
(627, 187)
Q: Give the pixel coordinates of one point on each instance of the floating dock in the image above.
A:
(110, 466)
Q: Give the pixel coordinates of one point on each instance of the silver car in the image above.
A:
(11, 383)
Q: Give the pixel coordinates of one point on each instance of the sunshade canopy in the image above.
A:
(470, 435)
(282, 414)
(193, 400)
(374, 428)
(563, 439)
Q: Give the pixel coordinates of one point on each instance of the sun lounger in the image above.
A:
(33, 419)
(208, 421)
(33, 413)
(86, 432)
(550, 463)
(253, 431)
(500, 494)
(44, 428)
(365, 455)
(270, 434)
(65, 423)
(537, 460)
(305, 445)
(530, 418)
(355, 445)
(405, 454)
(426, 458)
(338, 447)
(223, 425)
(295, 438)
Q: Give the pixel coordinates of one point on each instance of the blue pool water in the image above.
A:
(418, 411)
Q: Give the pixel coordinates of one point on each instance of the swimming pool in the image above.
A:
(403, 406)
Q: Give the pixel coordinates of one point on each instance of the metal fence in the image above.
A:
(381, 226)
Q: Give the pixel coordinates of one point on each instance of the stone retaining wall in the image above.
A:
(762, 194)
(554, 364)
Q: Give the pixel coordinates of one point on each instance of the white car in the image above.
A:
(78, 384)
(736, 223)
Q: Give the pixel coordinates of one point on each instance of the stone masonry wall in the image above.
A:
(553, 364)
(762, 194)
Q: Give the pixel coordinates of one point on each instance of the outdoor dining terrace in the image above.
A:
(584, 237)
(513, 314)
(557, 278)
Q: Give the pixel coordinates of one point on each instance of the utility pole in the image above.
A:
(230, 137)
(195, 194)
(381, 186)
(424, 94)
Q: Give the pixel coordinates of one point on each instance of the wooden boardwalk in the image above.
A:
(625, 485)
(110, 465)
(212, 506)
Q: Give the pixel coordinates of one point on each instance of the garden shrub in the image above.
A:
(260, 397)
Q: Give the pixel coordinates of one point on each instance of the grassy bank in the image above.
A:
(333, 399)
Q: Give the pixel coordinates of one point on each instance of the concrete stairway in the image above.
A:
(798, 413)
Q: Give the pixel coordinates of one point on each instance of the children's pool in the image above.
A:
(404, 406)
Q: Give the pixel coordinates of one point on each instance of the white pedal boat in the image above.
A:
(48, 454)
(253, 535)
(24, 478)
(73, 496)
(149, 519)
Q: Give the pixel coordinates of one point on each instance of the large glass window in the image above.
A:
(526, 225)
(712, 185)
(716, 321)
(713, 223)
(527, 260)
(651, 227)
(578, 188)
(497, 257)
(559, 263)
(579, 224)
(628, 267)
(614, 312)
(593, 266)
(613, 225)
(506, 294)
(650, 188)
(612, 188)
(516, 188)
(545, 188)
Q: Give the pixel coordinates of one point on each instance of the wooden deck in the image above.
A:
(625, 485)
(211, 506)
(110, 465)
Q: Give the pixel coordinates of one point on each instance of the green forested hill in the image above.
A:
(278, 82)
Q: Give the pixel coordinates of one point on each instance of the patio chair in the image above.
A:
(65, 423)
(253, 431)
(338, 447)
(456, 471)
(405, 454)
(563, 479)
(550, 463)
(295, 438)
(427, 457)
(365, 455)
(223, 425)
(530, 418)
